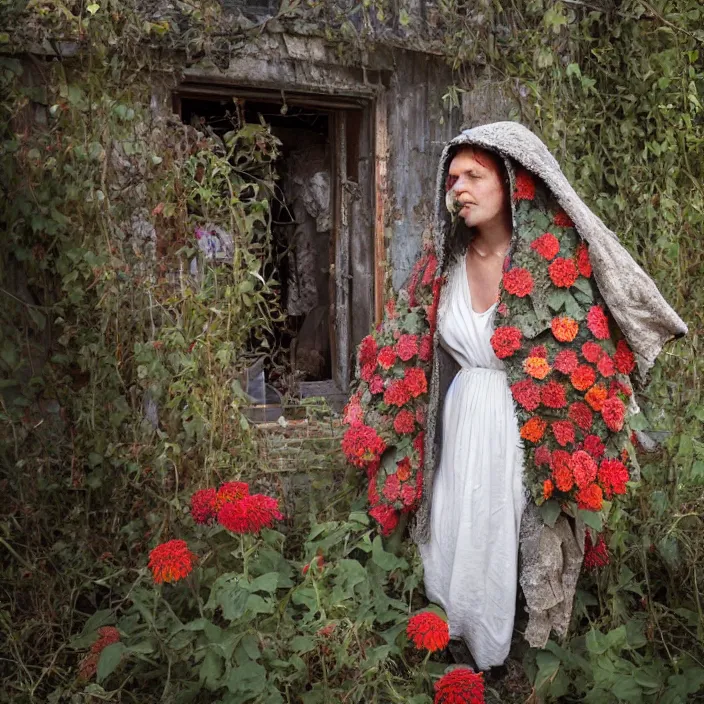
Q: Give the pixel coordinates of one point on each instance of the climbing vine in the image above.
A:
(123, 345)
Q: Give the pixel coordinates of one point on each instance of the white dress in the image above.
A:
(471, 561)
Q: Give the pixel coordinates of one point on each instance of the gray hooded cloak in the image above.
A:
(551, 557)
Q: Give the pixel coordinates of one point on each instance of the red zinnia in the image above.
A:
(171, 561)
(547, 246)
(624, 359)
(563, 431)
(617, 387)
(564, 328)
(562, 219)
(526, 393)
(538, 351)
(563, 272)
(583, 377)
(596, 396)
(594, 446)
(367, 350)
(598, 323)
(566, 361)
(562, 470)
(613, 476)
(426, 348)
(107, 635)
(613, 412)
(430, 269)
(518, 282)
(506, 341)
(203, 505)
(250, 514)
(428, 631)
(392, 488)
(583, 263)
(407, 347)
(366, 373)
(553, 395)
(542, 455)
(583, 468)
(228, 492)
(595, 556)
(533, 429)
(605, 365)
(415, 381)
(376, 385)
(409, 497)
(590, 498)
(592, 352)
(460, 686)
(397, 393)
(353, 411)
(404, 422)
(580, 414)
(361, 444)
(525, 186)
(386, 517)
(386, 357)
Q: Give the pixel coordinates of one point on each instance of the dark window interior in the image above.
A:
(303, 227)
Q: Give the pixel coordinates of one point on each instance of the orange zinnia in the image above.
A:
(596, 396)
(564, 329)
(534, 429)
(547, 489)
(537, 367)
(171, 561)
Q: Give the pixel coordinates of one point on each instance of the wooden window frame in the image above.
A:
(347, 114)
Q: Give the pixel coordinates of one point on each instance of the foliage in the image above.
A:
(613, 89)
(130, 330)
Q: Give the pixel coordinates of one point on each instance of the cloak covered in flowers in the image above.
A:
(566, 332)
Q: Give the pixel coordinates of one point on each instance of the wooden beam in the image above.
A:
(381, 146)
(342, 254)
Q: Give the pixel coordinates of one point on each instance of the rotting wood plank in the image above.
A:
(381, 145)
(342, 255)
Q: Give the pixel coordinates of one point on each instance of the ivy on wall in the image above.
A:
(102, 319)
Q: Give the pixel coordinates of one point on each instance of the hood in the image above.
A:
(644, 317)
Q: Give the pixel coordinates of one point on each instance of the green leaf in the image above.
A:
(109, 660)
(626, 689)
(548, 665)
(592, 518)
(211, 669)
(266, 583)
(550, 512)
(93, 8)
(250, 644)
(596, 643)
(302, 644)
(249, 678)
(556, 299)
(386, 560)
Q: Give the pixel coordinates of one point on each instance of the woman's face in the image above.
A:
(477, 183)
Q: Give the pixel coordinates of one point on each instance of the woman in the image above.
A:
(538, 308)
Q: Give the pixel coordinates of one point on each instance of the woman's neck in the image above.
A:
(494, 235)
